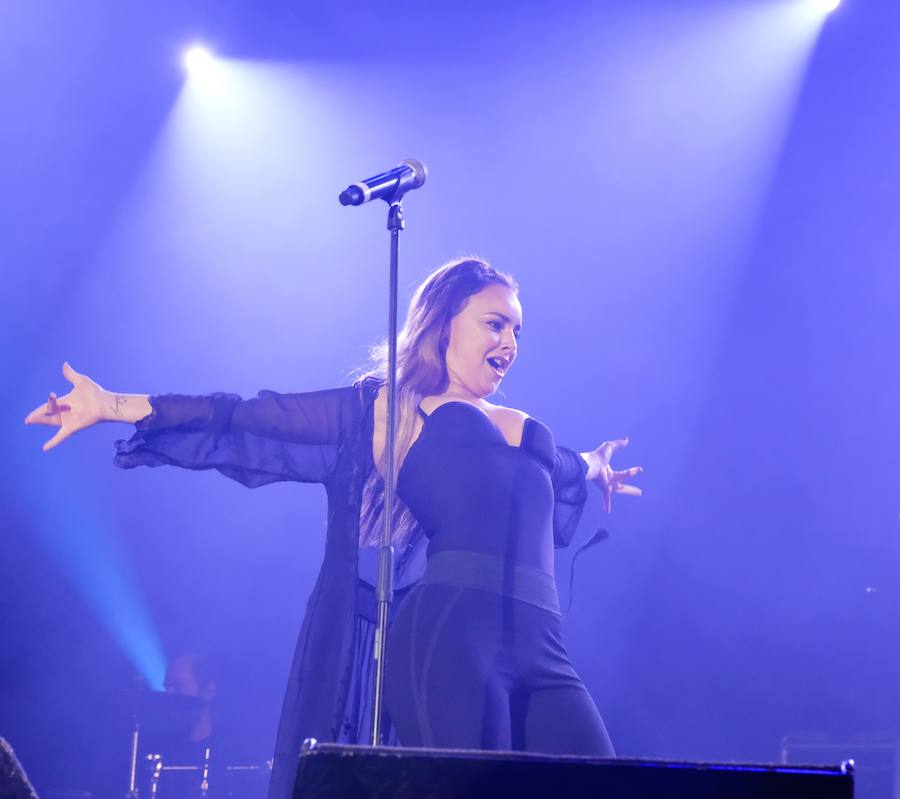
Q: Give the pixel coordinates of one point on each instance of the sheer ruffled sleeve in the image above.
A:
(570, 492)
(257, 441)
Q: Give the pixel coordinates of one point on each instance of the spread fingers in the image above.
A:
(60, 436)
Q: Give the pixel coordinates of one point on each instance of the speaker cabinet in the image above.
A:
(876, 759)
(333, 771)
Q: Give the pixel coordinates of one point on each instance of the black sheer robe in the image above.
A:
(318, 437)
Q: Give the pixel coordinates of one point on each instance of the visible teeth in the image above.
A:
(498, 364)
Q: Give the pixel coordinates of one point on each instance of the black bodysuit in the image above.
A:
(475, 655)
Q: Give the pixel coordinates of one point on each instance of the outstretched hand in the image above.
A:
(80, 408)
(607, 479)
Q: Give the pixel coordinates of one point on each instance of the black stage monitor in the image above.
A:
(333, 771)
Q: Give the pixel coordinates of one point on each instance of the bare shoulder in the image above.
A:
(381, 402)
(498, 412)
(511, 421)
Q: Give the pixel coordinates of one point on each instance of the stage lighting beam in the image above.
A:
(827, 6)
(198, 61)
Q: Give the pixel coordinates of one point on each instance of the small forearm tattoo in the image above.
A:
(118, 406)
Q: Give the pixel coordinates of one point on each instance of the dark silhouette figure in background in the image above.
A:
(190, 675)
(180, 756)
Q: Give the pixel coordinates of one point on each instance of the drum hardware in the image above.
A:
(155, 706)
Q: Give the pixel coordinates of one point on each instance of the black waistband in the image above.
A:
(497, 575)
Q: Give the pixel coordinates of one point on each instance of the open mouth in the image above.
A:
(499, 365)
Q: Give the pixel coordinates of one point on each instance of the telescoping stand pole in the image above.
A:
(389, 186)
(384, 590)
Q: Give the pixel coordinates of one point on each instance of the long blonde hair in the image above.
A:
(421, 372)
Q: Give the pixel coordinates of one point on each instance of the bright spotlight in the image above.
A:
(826, 6)
(198, 61)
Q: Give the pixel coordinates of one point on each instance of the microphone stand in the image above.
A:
(384, 589)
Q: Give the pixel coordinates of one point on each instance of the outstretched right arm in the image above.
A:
(86, 405)
(256, 441)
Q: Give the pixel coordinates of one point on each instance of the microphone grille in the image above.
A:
(419, 170)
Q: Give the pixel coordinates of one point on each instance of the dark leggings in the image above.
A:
(472, 669)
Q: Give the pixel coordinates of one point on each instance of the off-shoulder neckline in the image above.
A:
(425, 416)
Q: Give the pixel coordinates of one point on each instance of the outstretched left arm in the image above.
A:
(607, 479)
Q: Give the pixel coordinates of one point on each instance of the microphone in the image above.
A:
(388, 186)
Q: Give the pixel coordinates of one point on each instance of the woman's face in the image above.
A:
(483, 341)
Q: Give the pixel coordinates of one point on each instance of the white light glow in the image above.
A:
(199, 61)
(826, 6)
